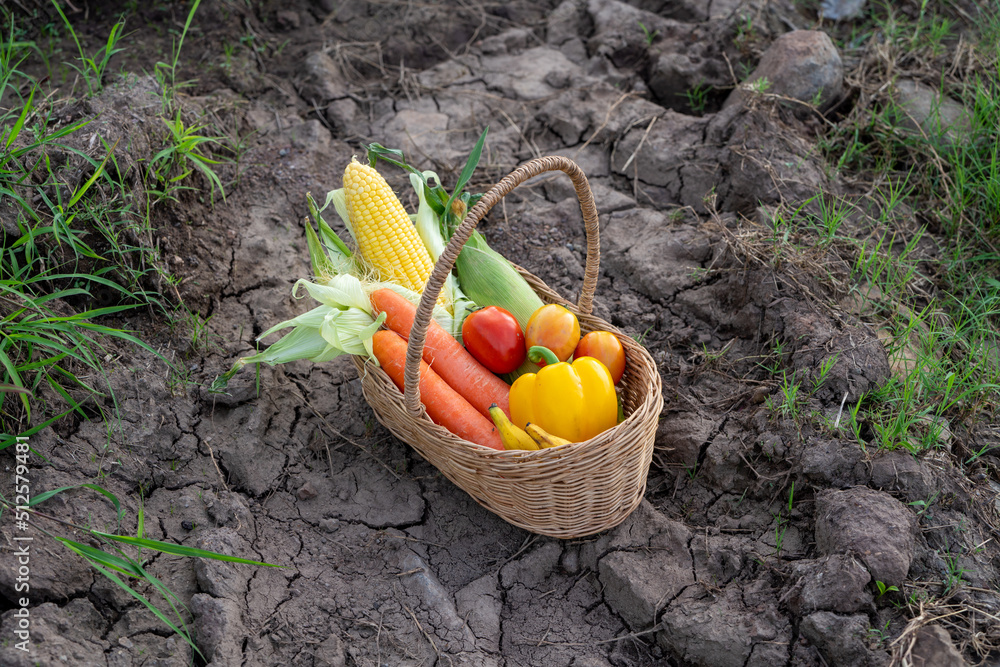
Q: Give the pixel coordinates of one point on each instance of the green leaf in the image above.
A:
(16, 129)
(42, 497)
(467, 171)
(178, 550)
(329, 236)
(96, 563)
(90, 181)
(394, 156)
(116, 563)
(322, 267)
(12, 374)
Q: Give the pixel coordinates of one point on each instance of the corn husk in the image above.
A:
(430, 230)
(490, 280)
(343, 323)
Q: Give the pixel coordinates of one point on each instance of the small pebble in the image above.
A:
(187, 525)
(307, 491)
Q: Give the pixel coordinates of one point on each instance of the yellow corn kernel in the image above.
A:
(385, 235)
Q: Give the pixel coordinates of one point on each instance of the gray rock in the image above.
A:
(227, 508)
(833, 462)
(534, 568)
(422, 583)
(923, 110)
(644, 528)
(842, 10)
(870, 524)
(563, 29)
(323, 81)
(311, 135)
(421, 132)
(718, 558)
(841, 639)
(219, 629)
(330, 653)
(345, 116)
(671, 75)
(56, 573)
(933, 648)
(666, 157)
(724, 465)
(532, 75)
(803, 65)
(835, 583)
(307, 491)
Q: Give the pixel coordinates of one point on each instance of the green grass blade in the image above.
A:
(19, 123)
(90, 181)
(14, 377)
(179, 550)
(116, 563)
(97, 564)
(42, 497)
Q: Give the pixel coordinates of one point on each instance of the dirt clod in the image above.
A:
(871, 525)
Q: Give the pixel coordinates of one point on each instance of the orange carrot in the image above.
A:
(446, 355)
(444, 405)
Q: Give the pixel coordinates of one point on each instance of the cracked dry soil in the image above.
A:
(759, 541)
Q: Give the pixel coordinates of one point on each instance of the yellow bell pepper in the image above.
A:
(573, 401)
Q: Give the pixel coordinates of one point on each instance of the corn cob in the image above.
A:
(385, 235)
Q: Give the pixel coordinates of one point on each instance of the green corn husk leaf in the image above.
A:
(322, 266)
(490, 280)
(341, 291)
(343, 324)
(426, 221)
(429, 228)
(338, 257)
(313, 319)
(350, 331)
(339, 201)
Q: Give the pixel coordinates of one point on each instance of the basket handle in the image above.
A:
(445, 263)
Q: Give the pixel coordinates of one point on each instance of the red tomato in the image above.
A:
(606, 348)
(493, 336)
(554, 327)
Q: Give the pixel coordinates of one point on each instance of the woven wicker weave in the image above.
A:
(567, 491)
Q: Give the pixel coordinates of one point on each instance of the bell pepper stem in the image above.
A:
(539, 353)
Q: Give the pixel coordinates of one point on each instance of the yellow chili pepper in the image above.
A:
(573, 401)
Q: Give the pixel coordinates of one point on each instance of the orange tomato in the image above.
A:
(606, 348)
(554, 327)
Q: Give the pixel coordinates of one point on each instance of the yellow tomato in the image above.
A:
(554, 327)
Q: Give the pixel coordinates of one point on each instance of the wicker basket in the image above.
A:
(564, 492)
